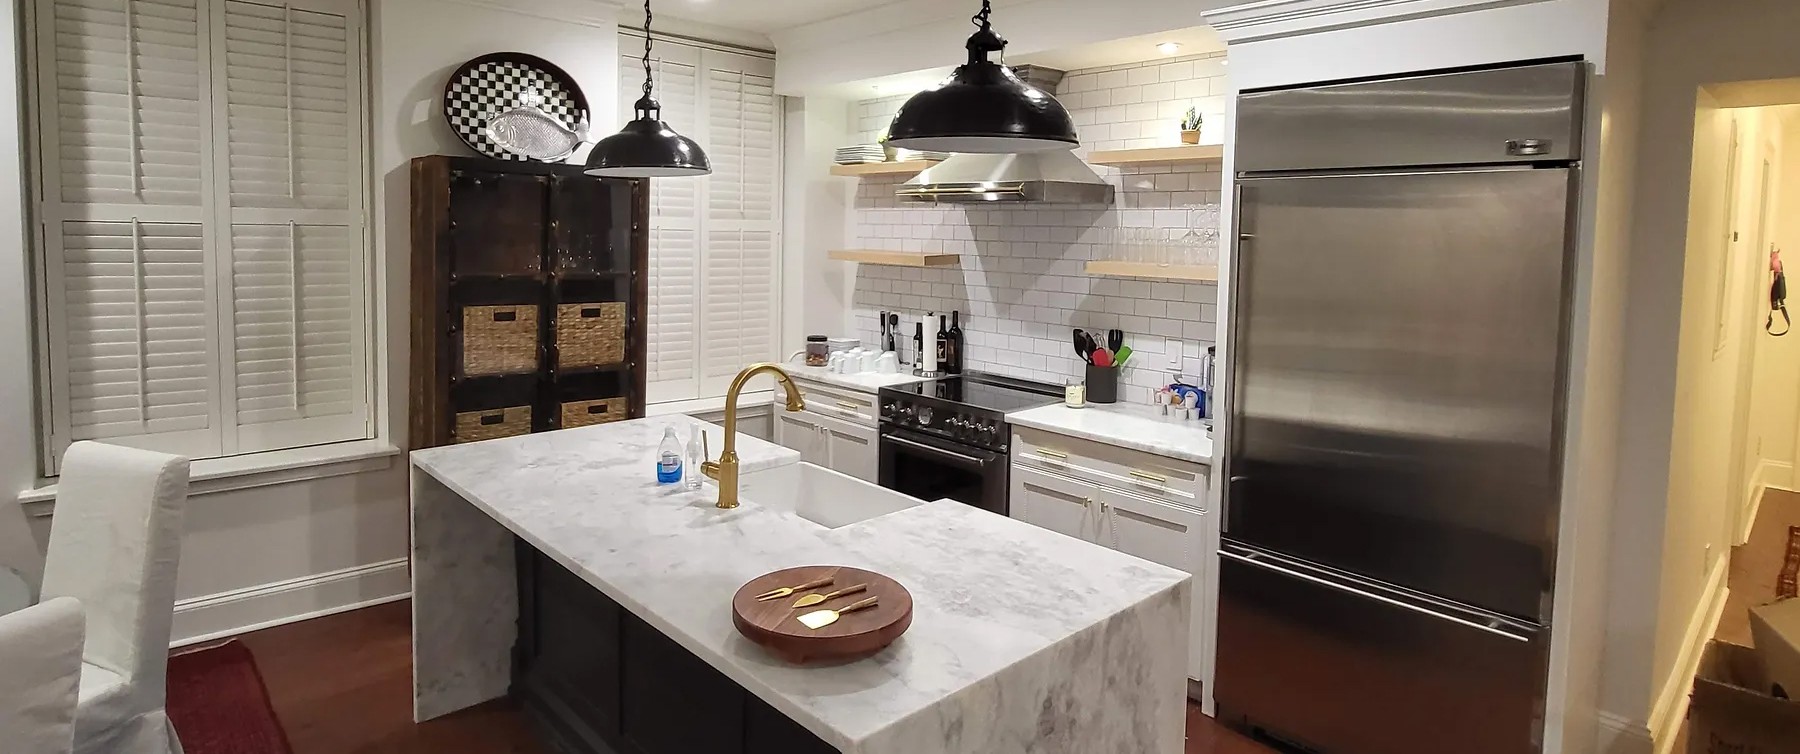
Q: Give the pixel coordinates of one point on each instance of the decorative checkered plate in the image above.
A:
(491, 84)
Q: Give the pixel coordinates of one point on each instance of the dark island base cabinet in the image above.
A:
(595, 679)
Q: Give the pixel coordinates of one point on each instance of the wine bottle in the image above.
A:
(953, 348)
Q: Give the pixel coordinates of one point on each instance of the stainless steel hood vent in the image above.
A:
(1056, 177)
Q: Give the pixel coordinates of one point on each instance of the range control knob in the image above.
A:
(956, 424)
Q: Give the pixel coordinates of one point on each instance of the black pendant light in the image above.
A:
(983, 107)
(646, 147)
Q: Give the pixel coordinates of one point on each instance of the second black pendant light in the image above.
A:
(983, 108)
(646, 147)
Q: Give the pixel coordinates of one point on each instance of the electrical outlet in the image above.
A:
(1172, 352)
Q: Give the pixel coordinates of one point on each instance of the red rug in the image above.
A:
(219, 704)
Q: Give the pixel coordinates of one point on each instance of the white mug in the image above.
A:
(870, 360)
(888, 363)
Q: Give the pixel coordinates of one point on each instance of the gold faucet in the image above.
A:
(725, 470)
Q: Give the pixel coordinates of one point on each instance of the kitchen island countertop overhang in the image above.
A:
(1021, 637)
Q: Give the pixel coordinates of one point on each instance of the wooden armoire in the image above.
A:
(529, 284)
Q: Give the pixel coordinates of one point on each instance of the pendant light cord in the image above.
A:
(647, 79)
(984, 40)
(981, 17)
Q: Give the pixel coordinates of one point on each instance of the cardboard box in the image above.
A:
(1732, 711)
(1776, 629)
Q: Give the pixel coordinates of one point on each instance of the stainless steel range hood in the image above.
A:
(1055, 176)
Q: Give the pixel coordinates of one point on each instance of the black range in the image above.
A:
(948, 438)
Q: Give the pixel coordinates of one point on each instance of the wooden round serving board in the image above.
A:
(776, 626)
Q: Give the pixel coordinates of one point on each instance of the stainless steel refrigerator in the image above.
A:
(1398, 367)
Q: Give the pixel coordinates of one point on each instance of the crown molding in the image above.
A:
(600, 14)
(1270, 19)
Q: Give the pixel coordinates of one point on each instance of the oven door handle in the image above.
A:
(976, 461)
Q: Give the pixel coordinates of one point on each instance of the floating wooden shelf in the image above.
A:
(909, 167)
(1159, 155)
(896, 258)
(1205, 273)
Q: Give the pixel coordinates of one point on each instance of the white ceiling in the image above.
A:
(760, 16)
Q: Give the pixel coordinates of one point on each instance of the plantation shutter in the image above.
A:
(671, 361)
(125, 123)
(201, 217)
(295, 238)
(714, 239)
(739, 277)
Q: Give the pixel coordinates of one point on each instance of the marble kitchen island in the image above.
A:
(1022, 639)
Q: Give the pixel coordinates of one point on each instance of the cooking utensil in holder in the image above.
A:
(1102, 384)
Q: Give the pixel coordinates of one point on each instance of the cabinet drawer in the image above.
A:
(1137, 472)
(841, 403)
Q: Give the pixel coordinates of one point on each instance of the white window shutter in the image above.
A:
(674, 310)
(740, 220)
(133, 339)
(124, 116)
(298, 363)
(290, 99)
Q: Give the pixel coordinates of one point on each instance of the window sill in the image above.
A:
(258, 470)
(757, 401)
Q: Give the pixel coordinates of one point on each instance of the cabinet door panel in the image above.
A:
(1061, 505)
(496, 224)
(799, 430)
(850, 448)
(1170, 535)
(675, 703)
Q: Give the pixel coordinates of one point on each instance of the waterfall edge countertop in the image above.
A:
(1020, 637)
(1126, 426)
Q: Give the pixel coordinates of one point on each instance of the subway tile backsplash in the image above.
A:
(1021, 286)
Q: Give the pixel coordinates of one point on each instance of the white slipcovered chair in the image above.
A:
(40, 651)
(115, 540)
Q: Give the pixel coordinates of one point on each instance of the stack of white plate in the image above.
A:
(860, 153)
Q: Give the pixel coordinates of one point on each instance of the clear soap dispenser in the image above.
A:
(668, 458)
(696, 457)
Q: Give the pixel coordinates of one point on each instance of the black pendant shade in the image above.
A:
(647, 147)
(983, 108)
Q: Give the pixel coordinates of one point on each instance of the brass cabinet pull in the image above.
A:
(1149, 477)
(1048, 453)
(849, 405)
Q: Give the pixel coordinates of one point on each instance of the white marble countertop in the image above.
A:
(1125, 425)
(989, 592)
(867, 382)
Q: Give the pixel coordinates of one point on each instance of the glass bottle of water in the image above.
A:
(668, 458)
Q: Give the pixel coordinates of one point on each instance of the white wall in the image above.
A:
(1774, 405)
(816, 291)
(18, 415)
(1657, 576)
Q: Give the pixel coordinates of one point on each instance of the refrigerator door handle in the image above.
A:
(1251, 559)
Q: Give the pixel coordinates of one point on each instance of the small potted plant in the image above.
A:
(1190, 127)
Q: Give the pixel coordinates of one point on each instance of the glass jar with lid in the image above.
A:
(818, 351)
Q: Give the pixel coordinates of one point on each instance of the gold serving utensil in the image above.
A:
(818, 619)
(775, 594)
(814, 599)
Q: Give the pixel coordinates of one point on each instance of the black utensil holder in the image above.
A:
(1102, 384)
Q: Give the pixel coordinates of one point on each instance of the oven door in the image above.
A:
(928, 468)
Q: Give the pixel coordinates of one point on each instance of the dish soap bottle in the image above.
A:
(668, 458)
(696, 457)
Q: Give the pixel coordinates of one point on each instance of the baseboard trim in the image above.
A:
(215, 616)
(1768, 474)
(1672, 701)
(1621, 735)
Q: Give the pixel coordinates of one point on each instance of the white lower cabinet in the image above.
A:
(841, 446)
(850, 449)
(1168, 533)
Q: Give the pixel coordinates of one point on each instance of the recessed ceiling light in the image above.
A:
(1169, 48)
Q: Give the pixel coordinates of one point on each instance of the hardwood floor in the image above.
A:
(343, 685)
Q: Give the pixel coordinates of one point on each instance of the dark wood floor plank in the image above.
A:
(342, 684)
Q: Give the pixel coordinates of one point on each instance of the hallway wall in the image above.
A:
(1770, 444)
